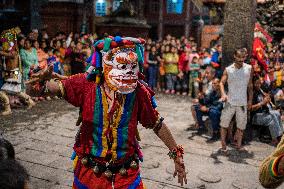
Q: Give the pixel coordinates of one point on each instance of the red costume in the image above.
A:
(107, 145)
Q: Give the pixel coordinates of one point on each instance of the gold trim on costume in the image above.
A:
(62, 90)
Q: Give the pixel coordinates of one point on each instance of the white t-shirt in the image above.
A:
(238, 80)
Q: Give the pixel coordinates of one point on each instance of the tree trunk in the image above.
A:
(161, 20)
(239, 22)
(188, 18)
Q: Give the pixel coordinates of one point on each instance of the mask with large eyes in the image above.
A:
(121, 70)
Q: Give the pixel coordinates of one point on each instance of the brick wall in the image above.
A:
(62, 16)
(209, 33)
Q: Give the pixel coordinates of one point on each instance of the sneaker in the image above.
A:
(201, 131)
(173, 91)
(167, 91)
(214, 138)
(184, 93)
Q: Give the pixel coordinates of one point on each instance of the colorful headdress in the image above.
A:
(109, 47)
(9, 38)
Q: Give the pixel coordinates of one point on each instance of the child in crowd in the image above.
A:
(54, 60)
(152, 60)
(194, 68)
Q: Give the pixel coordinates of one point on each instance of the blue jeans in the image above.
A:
(272, 120)
(213, 114)
(152, 76)
(171, 81)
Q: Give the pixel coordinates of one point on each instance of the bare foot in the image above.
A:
(31, 104)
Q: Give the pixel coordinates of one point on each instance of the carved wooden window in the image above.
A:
(101, 7)
(175, 6)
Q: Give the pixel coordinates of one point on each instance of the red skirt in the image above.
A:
(85, 178)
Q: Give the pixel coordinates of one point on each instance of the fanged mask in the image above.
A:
(121, 70)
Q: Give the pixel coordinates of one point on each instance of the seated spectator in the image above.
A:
(210, 106)
(13, 175)
(206, 81)
(278, 95)
(263, 115)
(208, 77)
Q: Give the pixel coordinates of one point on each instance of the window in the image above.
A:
(115, 4)
(101, 8)
(174, 6)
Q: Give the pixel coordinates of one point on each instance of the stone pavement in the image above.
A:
(43, 140)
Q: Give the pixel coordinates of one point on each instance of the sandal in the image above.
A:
(223, 152)
(242, 149)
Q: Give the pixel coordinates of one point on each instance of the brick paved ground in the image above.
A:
(43, 140)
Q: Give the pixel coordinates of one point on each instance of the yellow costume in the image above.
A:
(268, 173)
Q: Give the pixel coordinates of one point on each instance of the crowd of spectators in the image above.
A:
(172, 66)
(177, 66)
(67, 53)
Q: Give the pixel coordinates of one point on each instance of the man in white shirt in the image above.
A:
(239, 79)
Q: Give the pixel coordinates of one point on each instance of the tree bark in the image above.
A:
(239, 22)
(161, 20)
(188, 18)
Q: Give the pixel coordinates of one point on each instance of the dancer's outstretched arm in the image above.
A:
(51, 88)
(163, 132)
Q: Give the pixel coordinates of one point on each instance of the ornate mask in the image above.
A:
(121, 69)
(9, 38)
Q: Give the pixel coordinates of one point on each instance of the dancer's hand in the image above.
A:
(180, 171)
(41, 76)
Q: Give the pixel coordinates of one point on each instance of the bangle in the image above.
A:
(176, 152)
(158, 125)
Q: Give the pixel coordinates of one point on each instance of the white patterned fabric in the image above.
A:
(13, 82)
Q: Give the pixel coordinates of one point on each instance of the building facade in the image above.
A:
(14, 13)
